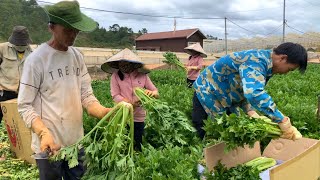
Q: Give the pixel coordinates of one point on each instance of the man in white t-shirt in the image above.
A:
(55, 87)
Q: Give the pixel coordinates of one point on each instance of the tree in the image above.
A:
(211, 37)
(142, 31)
(28, 13)
(114, 28)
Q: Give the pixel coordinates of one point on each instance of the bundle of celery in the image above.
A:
(240, 172)
(247, 171)
(108, 146)
(261, 163)
(240, 130)
(165, 125)
(172, 59)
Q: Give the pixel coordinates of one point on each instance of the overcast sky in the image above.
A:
(248, 18)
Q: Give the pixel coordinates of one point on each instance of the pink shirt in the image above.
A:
(195, 61)
(124, 89)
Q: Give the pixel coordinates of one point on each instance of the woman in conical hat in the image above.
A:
(195, 63)
(128, 73)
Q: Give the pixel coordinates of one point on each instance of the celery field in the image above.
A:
(296, 96)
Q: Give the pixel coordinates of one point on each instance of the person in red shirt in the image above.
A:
(195, 63)
(127, 74)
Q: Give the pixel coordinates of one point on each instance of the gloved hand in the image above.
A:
(95, 109)
(126, 104)
(255, 115)
(289, 131)
(154, 94)
(46, 139)
(107, 110)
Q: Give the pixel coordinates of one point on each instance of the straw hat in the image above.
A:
(112, 64)
(195, 47)
(68, 14)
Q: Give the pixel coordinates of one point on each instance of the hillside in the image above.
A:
(31, 15)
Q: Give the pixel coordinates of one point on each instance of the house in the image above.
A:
(173, 41)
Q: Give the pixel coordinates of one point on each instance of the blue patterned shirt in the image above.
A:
(238, 80)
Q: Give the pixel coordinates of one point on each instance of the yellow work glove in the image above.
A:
(46, 139)
(289, 131)
(253, 114)
(128, 105)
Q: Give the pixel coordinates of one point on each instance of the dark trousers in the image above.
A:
(6, 96)
(138, 133)
(198, 116)
(56, 170)
(190, 83)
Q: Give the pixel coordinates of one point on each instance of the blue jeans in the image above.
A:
(199, 115)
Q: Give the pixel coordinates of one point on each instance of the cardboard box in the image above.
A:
(18, 134)
(301, 158)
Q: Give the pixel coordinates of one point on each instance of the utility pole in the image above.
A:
(284, 20)
(225, 35)
(174, 24)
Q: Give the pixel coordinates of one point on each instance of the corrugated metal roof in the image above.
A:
(186, 33)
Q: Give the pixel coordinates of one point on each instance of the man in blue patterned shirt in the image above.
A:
(237, 81)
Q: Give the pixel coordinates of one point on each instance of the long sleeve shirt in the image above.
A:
(11, 66)
(124, 89)
(55, 86)
(195, 61)
(238, 80)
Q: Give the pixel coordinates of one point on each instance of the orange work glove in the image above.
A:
(154, 94)
(46, 139)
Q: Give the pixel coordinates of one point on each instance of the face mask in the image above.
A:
(20, 48)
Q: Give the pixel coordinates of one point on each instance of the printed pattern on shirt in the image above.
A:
(237, 81)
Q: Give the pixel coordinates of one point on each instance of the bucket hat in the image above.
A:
(112, 64)
(68, 14)
(195, 47)
(20, 36)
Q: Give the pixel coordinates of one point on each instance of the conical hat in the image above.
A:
(111, 65)
(195, 47)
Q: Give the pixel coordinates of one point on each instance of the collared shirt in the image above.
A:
(238, 80)
(195, 61)
(124, 89)
(10, 67)
(55, 86)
